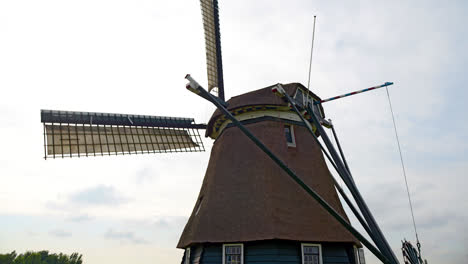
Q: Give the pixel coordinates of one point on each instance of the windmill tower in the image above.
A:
(248, 210)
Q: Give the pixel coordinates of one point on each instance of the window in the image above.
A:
(187, 256)
(361, 258)
(311, 254)
(233, 254)
(299, 97)
(289, 134)
(302, 98)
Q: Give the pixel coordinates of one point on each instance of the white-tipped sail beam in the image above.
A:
(70, 134)
(214, 65)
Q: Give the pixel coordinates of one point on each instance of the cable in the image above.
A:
(311, 53)
(403, 166)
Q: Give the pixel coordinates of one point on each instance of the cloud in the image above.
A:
(60, 233)
(80, 218)
(145, 175)
(99, 195)
(124, 237)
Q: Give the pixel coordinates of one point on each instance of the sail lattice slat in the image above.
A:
(77, 134)
(212, 44)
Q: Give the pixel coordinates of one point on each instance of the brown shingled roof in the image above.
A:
(245, 196)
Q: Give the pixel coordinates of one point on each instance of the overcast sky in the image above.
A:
(132, 56)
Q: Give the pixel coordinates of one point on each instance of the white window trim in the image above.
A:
(316, 245)
(363, 260)
(356, 254)
(187, 255)
(306, 97)
(293, 137)
(238, 244)
(304, 94)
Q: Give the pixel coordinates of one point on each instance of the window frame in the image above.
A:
(293, 137)
(306, 98)
(187, 256)
(236, 244)
(360, 253)
(356, 254)
(304, 94)
(311, 244)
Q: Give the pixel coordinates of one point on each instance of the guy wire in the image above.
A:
(403, 166)
(311, 54)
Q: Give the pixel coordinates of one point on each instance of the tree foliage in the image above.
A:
(40, 257)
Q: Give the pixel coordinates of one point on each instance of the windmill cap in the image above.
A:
(258, 100)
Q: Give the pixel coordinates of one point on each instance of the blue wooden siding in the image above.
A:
(274, 252)
(337, 254)
(212, 254)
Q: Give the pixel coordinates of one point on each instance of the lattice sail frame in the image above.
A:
(82, 134)
(214, 63)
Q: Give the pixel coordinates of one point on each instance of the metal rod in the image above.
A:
(203, 93)
(309, 127)
(339, 148)
(353, 93)
(353, 208)
(381, 242)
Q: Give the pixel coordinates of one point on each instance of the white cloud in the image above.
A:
(124, 236)
(99, 195)
(60, 233)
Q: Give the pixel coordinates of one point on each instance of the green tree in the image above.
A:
(7, 258)
(40, 257)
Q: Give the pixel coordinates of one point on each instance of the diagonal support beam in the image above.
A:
(375, 232)
(280, 91)
(381, 242)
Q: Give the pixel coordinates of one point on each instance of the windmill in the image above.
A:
(248, 211)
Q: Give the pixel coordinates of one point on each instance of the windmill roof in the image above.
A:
(258, 97)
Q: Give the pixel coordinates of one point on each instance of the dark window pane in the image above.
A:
(311, 254)
(299, 96)
(288, 134)
(233, 254)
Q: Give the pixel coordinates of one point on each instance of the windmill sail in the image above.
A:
(214, 65)
(70, 134)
